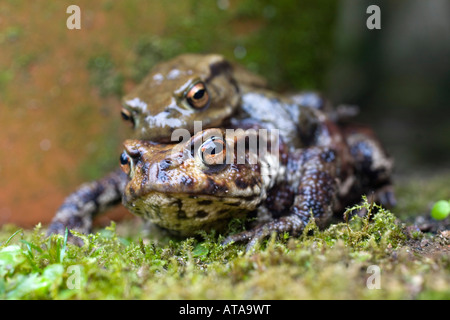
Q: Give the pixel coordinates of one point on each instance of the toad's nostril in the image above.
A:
(165, 164)
(132, 148)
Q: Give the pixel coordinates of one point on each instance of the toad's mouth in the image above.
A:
(188, 205)
(186, 214)
(168, 199)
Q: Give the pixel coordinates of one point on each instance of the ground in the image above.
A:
(380, 256)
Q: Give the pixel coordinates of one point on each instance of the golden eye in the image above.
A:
(126, 115)
(198, 96)
(213, 151)
(125, 162)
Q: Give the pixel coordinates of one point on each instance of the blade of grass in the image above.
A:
(31, 245)
(12, 236)
(63, 249)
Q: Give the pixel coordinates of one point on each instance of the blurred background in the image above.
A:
(60, 89)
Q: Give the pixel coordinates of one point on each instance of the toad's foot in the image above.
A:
(291, 224)
(78, 209)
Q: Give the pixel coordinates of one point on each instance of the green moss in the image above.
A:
(257, 34)
(104, 75)
(5, 77)
(148, 51)
(115, 263)
(300, 35)
(11, 34)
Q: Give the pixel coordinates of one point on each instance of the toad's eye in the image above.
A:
(126, 162)
(198, 96)
(213, 151)
(126, 115)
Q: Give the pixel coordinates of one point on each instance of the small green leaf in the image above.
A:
(200, 251)
(31, 246)
(36, 284)
(10, 258)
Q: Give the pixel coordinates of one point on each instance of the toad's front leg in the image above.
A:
(312, 173)
(88, 200)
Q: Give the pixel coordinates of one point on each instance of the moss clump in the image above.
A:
(320, 264)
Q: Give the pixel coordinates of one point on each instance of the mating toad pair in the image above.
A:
(321, 162)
